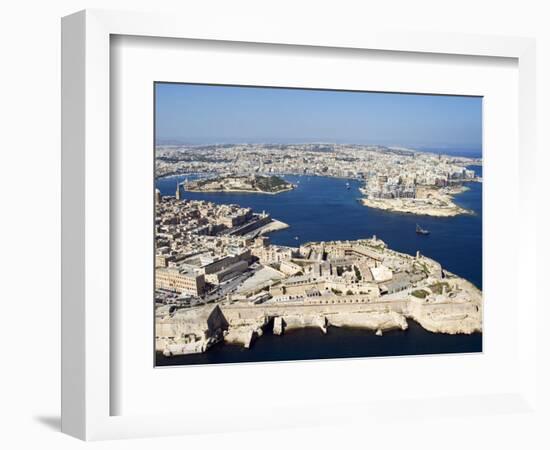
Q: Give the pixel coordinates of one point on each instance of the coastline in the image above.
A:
(305, 203)
(246, 326)
(311, 344)
(450, 211)
(237, 191)
(449, 305)
(224, 350)
(424, 206)
(274, 225)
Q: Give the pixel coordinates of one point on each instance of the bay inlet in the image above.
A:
(324, 209)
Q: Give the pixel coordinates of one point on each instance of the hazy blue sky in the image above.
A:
(215, 114)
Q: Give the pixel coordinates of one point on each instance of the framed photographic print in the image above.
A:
(316, 220)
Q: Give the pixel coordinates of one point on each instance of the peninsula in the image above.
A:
(426, 200)
(257, 184)
(219, 279)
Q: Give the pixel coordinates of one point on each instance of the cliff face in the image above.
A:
(305, 321)
(241, 325)
(190, 330)
(371, 321)
(463, 315)
(440, 302)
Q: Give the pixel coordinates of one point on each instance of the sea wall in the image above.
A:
(449, 318)
(242, 324)
(246, 322)
(240, 312)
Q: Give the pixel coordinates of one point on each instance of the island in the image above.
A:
(218, 278)
(257, 184)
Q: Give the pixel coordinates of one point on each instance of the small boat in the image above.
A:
(296, 238)
(347, 186)
(420, 230)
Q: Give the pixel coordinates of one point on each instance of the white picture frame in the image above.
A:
(86, 215)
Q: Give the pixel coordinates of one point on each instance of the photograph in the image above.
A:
(293, 223)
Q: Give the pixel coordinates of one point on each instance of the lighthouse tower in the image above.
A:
(178, 195)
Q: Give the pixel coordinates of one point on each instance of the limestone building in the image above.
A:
(182, 281)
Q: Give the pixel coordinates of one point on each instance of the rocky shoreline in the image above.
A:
(252, 184)
(239, 191)
(436, 204)
(274, 225)
(451, 210)
(242, 325)
(383, 290)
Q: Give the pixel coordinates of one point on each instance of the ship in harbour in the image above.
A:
(420, 230)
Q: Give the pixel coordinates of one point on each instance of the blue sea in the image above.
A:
(323, 209)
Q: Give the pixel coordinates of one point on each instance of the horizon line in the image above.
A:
(170, 141)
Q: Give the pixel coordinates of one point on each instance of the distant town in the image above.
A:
(395, 179)
(218, 277)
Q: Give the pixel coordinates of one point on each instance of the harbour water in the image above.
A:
(310, 343)
(324, 209)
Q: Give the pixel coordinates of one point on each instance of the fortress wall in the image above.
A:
(232, 312)
(444, 308)
(370, 290)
